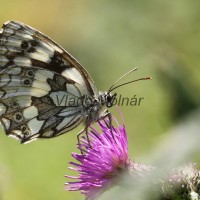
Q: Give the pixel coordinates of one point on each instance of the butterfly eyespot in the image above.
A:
(14, 104)
(30, 73)
(26, 132)
(18, 117)
(24, 45)
(27, 82)
(23, 128)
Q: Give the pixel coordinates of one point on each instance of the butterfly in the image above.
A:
(44, 91)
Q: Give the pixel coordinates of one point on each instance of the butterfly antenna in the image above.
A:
(111, 88)
(145, 78)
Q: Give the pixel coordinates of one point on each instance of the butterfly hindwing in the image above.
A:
(34, 103)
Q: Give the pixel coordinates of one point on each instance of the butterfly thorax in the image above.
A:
(93, 106)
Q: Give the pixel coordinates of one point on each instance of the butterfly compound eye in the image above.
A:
(110, 100)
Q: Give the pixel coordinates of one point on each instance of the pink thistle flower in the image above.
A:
(103, 162)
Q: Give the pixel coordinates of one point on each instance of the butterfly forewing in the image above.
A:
(24, 46)
(37, 79)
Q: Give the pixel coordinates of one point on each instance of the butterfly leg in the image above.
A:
(78, 138)
(85, 130)
(104, 115)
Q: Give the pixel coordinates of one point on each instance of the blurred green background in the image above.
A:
(109, 38)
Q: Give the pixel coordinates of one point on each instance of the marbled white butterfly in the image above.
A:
(38, 81)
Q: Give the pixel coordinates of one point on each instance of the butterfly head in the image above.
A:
(107, 99)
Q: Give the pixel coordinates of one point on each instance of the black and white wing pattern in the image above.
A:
(37, 79)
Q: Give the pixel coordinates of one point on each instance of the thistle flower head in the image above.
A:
(104, 159)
